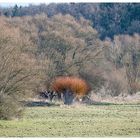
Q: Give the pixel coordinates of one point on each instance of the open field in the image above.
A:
(75, 121)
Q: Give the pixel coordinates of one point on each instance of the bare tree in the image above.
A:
(124, 53)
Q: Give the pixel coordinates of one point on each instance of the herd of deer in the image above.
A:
(50, 95)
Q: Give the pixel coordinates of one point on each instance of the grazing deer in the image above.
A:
(47, 94)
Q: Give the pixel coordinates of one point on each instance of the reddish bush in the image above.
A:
(77, 86)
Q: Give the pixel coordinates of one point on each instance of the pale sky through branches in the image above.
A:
(62, 1)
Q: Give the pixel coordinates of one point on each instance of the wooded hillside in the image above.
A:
(36, 47)
(108, 19)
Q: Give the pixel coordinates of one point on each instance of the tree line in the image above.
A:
(108, 19)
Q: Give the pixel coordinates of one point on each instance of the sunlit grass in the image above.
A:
(75, 121)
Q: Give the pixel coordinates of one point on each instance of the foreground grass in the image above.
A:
(75, 121)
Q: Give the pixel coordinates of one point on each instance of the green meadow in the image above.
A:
(101, 120)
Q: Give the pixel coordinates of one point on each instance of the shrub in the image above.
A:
(115, 84)
(135, 87)
(10, 108)
(94, 77)
(71, 87)
(16, 75)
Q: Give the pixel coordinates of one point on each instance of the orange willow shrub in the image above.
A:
(77, 86)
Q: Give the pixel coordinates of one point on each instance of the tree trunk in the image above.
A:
(68, 97)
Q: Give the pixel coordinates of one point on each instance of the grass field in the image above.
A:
(75, 121)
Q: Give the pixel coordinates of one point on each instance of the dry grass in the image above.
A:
(121, 99)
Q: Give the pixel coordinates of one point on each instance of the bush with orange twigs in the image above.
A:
(70, 87)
